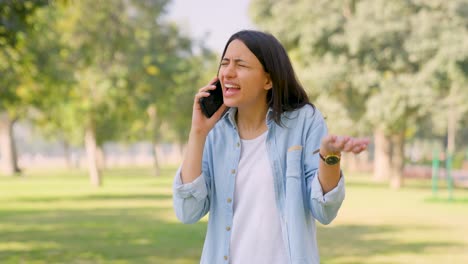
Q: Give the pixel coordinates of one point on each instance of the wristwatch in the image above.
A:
(331, 159)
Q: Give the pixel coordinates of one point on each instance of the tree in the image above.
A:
(365, 56)
(447, 70)
(122, 63)
(161, 55)
(14, 68)
(51, 78)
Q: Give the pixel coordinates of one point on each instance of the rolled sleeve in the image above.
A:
(191, 199)
(336, 195)
(325, 206)
(196, 189)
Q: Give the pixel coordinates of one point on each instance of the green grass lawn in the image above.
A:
(57, 217)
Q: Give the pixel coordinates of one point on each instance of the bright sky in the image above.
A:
(214, 20)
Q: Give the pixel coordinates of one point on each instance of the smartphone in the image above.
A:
(209, 105)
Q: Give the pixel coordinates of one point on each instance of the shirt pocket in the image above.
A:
(294, 162)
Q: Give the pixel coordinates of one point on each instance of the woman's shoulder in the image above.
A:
(306, 112)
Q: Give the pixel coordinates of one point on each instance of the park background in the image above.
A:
(95, 107)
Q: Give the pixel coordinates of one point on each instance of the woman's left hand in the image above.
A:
(332, 144)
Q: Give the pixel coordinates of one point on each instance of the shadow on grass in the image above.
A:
(360, 241)
(461, 200)
(367, 184)
(146, 236)
(99, 236)
(141, 172)
(409, 184)
(91, 197)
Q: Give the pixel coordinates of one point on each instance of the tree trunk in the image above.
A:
(155, 124)
(398, 160)
(382, 156)
(157, 168)
(67, 154)
(91, 154)
(15, 151)
(451, 130)
(8, 157)
(100, 158)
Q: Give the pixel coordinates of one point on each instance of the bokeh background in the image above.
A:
(95, 109)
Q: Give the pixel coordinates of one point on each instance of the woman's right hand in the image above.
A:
(201, 124)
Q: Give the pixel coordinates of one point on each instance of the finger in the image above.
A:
(361, 141)
(349, 145)
(201, 94)
(362, 148)
(197, 98)
(364, 145)
(207, 88)
(211, 85)
(341, 142)
(213, 80)
(329, 140)
(357, 149)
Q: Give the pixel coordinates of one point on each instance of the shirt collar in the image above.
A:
(230, 116)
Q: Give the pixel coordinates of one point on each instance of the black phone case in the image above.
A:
(209, 105)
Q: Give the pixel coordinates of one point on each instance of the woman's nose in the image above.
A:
(229, 71)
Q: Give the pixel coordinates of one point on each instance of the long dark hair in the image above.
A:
(287, 93)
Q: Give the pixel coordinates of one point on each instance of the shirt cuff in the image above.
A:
(335, 195)
(196, 188)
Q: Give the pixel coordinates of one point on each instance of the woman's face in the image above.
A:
(245, 83)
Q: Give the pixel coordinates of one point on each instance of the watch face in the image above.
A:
(332, 160)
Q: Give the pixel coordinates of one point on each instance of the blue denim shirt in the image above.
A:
(299, 195)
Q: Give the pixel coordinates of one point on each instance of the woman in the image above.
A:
(263, 164)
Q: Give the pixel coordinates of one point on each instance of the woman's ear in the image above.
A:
(268, 83)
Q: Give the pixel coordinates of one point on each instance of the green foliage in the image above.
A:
(15, 66)
(447, 70)
(15, 18)
(161, 57)
(385, 62)
(109, 65)
(458, 159)
(199, 70)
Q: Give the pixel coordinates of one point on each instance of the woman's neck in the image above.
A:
(251, 123)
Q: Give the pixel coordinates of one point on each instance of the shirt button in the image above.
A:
(233, 171)
(238, 144)
(229, 200)
(225, 257)
(228, 228)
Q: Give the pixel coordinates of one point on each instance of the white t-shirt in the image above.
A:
(256, 231)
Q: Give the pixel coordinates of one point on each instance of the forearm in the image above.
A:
(190, 200)
(192, 164)
(329, 176)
